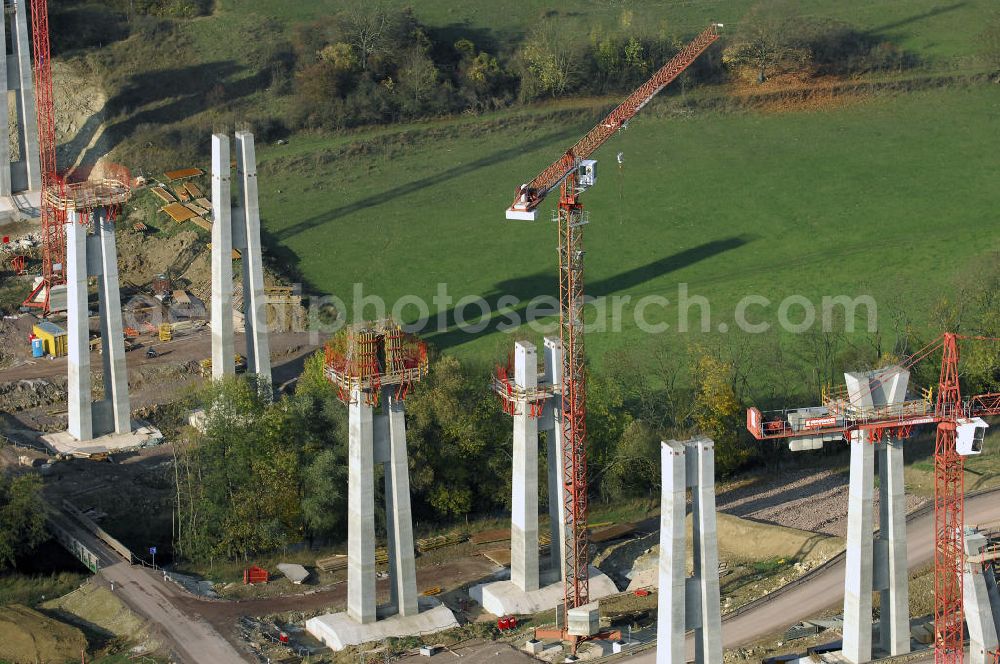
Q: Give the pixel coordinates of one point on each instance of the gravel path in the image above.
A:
(801, 498)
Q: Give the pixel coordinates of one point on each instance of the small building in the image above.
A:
(54, 340)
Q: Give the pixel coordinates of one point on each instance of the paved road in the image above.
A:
(825, 588)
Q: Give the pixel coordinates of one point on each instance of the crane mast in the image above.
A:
(949, 514)
(53, 217)
(574, 173)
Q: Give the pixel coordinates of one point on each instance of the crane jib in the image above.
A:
(532, 194)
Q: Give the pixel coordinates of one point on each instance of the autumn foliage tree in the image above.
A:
(717, 411)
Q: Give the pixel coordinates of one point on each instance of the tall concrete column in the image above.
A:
(403, 574)
(554, 451)
(891, 571)
(360, 512)
(112, 332)
(524, 501)
(255, 305)
(670, 625)
(26, 113)
(858, 577)
(5, 147)
(78, 332)
(223, 354)
(983, 640)
(701, 475)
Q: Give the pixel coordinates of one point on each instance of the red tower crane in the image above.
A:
(574, 171)
(53, 216)
(958, 434)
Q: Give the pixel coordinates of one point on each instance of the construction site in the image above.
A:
(213, 452)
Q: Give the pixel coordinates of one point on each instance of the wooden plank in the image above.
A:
(489, 536)
(500, 557)
(178, 212)
(193, 189)
(182, 173)
(611, 532)
(197, 209)
(202, 223)
(332, 563)
(205, 203)
(182, 193)
(163, 194)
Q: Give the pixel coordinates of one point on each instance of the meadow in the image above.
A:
(889, 196)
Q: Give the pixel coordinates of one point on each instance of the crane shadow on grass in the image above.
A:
(936, 11)
(418, 185)
(453, 326)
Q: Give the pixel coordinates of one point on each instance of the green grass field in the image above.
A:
(891, 197)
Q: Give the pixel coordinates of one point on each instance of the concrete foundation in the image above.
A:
(237, 227)
(688, 602)
(979, 613)
(503, 597)
(140, 435)
(339, 630)
(22, 173)
(94, 255)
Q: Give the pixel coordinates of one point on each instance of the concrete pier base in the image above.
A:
(339, 630)
(688, 602)
(504, 597)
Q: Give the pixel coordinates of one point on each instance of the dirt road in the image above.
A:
(191, 637)
(825, 588)
(194, 347)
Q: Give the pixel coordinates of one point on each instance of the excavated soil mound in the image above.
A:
(28, 637)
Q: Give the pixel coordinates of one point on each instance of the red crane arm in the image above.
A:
(529, 196)
(984, 405)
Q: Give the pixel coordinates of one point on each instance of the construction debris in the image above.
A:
(293, 572)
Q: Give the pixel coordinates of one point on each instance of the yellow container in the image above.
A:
(54, 339)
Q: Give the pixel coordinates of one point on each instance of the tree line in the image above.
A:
(265, 474)
(371, 65)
